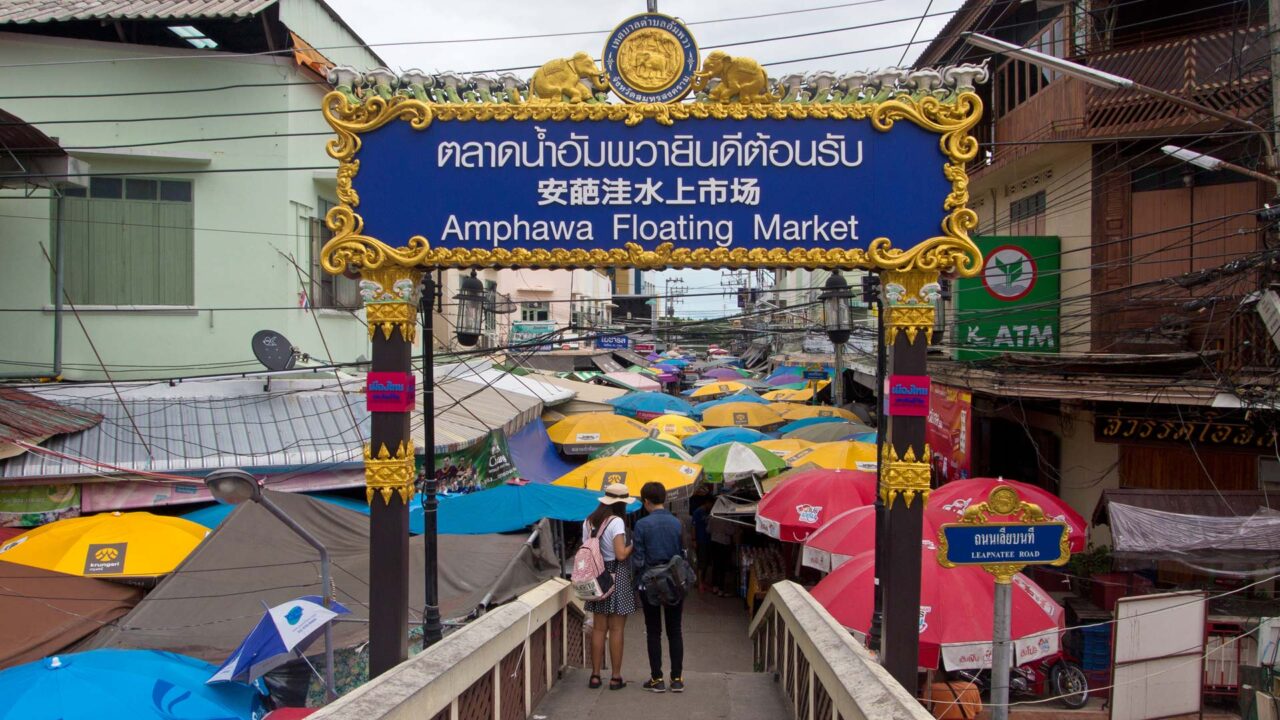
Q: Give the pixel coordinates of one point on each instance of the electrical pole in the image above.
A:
(1273, 37)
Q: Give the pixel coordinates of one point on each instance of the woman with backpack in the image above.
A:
(607, 524)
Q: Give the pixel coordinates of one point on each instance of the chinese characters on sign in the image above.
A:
(759, 183)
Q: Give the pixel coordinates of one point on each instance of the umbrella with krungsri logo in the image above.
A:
(135, 544)
(808, 498)
(633, 471)
(953, 498)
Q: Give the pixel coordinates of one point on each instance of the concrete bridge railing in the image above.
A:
(496, 668)
(822, 670)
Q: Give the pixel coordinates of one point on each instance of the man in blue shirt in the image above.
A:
(658, 537)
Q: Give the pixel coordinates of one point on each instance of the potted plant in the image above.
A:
(1083, 565)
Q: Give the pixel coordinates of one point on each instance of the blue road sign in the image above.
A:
(815, 374)
(1003, 543)
(613, 342)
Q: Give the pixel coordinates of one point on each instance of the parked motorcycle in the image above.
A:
(1053, 675)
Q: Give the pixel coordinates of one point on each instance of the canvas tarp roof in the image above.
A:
(43, 612)
(208, 605)
(1144, 533)
(588, 397)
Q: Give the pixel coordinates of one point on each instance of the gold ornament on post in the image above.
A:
(910, 301)
(390, 295)
(387, 473)
(904, 475)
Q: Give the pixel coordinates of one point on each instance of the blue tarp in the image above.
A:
(511, 507)
(535, 458)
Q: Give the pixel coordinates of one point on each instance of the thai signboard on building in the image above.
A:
(1013, 304)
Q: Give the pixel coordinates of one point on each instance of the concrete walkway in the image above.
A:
(718, 676)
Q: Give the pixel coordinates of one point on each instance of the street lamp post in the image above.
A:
(233, 486)
(835, 309)
(469, 325)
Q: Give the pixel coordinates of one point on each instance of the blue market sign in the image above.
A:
(613, 342)
(559, 179)
(1003, 543)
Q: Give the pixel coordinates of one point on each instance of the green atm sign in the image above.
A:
(1012, 305)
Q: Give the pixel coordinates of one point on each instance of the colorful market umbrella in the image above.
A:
(677, 426)
(119, 684)
(785, 380)
(804, 422)
(791, 372)
(582, 433)
(736, 397)
(802, 395)
(676, 361)
(645, 406)
(718, 436)
(723, 373)
(807, 499)
(827, 432)
(736, 461)
(839, 455)
(797, 385)
(515, 505)
(957, 495)
(281, 635)
(955, 610)
(644, 446)
(714, 390)
(792, 411)
(741, 414)
(107, 545)
(869, 436)
(783, 447)
(749, 383)
(635, 471)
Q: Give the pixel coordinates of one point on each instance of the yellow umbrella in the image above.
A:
(634, 470)
(580, 434)
(801, 395)
(668, 437)
(677, 425)
(787, 409)
(108, 545)
(741, 414)
(840, 455)
(794, 411)
(784, 446)
(712, 390)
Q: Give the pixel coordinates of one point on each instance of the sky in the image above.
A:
(438, 36)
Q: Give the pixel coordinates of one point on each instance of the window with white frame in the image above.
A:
(534, 312)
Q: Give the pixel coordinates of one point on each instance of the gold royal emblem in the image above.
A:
(650, 60)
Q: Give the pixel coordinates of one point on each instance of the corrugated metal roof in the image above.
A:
(30, 418)
(188, 434)
(42, 11)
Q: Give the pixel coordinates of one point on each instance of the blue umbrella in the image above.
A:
(654, 403)
(806, 422)
(866, 437)
(212, 516)
(120, 684)
(678, 362)
(737, 397)
(787, 370)
(710, 438)
(510, 507)
(280, 636)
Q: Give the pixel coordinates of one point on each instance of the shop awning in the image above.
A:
(1148, 534)
(587, 397)
(482, 371)
(1228, 503)
(631, 358)
(29, 418)
(606, 363)
(632, 381)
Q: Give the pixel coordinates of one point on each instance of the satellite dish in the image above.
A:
(273, 350)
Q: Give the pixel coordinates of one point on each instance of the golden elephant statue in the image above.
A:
(740, 78)
(558, 79)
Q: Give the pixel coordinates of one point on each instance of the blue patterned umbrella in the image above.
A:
(739, 397)
(651, 405)
(806, 422)
(710, 438)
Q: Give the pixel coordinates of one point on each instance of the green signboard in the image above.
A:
(1012, 305)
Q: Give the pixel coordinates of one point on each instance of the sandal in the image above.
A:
(617, 683)
(594, 682)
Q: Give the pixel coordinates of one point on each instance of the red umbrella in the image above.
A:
(953, 498)
(955, 611)
(847, 535)
(808, 498)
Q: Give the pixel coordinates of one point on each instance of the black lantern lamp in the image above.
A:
(836, 297)
(470, 299)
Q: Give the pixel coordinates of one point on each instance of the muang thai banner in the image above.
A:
(484, 465)
(949, 431)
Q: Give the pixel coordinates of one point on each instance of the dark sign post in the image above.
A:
(1003, 549)
(867, 172)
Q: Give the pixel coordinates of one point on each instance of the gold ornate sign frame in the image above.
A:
(951, 251)
(1004, 501)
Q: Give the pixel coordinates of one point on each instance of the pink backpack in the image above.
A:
(590, 579)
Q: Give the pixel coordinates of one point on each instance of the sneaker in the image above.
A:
(677, 684)
(656, 685)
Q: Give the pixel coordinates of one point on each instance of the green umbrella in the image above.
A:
(644, 446)
(735, 461)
